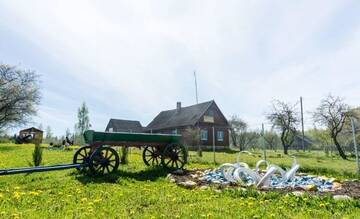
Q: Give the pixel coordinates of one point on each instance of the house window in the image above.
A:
(204, 135)
(111, 129)
(220, 135)
(211, 113)
(174, 132)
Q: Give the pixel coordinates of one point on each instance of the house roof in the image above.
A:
(32, 129)
(189, 115)
(307, 139)
(121, 125)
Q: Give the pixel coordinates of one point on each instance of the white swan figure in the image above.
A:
(227, 170)
(259, 163)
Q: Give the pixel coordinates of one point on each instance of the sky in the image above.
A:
(133, 59)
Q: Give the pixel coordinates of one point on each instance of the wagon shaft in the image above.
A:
(40, 169)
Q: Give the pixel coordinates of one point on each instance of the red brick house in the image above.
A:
(213, 126)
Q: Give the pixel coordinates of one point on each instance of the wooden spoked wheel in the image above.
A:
(151, 156)
(174, 156)
(104, 160)
(82, 156)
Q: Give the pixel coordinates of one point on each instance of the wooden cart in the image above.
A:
(99, 157)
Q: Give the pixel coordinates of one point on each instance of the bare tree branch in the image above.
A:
(284, 118)
(19, 95)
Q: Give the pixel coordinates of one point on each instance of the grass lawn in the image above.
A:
(137, 191)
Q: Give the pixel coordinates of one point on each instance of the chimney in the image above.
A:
(178, 107)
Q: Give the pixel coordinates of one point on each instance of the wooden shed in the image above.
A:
(30, 135)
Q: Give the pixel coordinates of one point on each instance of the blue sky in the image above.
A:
(132, 59)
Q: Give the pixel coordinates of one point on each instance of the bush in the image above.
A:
(37, 155)
(6, 139)
(124, 155)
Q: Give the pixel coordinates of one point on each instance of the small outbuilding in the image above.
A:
(122, 125)
(30, 135)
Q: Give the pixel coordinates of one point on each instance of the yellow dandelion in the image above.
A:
(84, 199)
(1, 195)
(97, 200)
(17, 187)
(17, 195)
(34, 193)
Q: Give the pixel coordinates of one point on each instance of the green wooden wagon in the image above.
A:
(100, 157)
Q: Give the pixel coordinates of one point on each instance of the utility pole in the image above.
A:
(302, 124)
(355, 144)
(264, 142)
(213, 134)
(196, 88)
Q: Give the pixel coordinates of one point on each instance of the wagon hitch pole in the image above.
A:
(40, 169)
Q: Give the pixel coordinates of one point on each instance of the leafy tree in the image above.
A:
(321, 138)
(284, 117)
(247, 139)
(237, 126)
(332, 113)
(48, 134)
(271, 139)
(19, 96)
(83, 123)
(68, 133)
(192, 137)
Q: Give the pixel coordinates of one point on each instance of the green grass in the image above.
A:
(136, 191)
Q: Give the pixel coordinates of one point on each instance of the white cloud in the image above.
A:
(136, 58)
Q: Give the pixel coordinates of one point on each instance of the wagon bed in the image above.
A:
(158, 150)
(130, 139)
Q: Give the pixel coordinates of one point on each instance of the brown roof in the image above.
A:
(187, 116)
(32, 129)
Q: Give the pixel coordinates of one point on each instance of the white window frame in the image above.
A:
(204, 135)
(220, 135)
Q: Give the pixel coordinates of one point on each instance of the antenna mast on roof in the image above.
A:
(196, 89)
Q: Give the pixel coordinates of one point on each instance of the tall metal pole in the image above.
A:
(263, 135)
(196, 88)
(213, 131)
(302, 124)
(355, 144)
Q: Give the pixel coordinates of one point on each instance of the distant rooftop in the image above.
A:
(121, 125)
